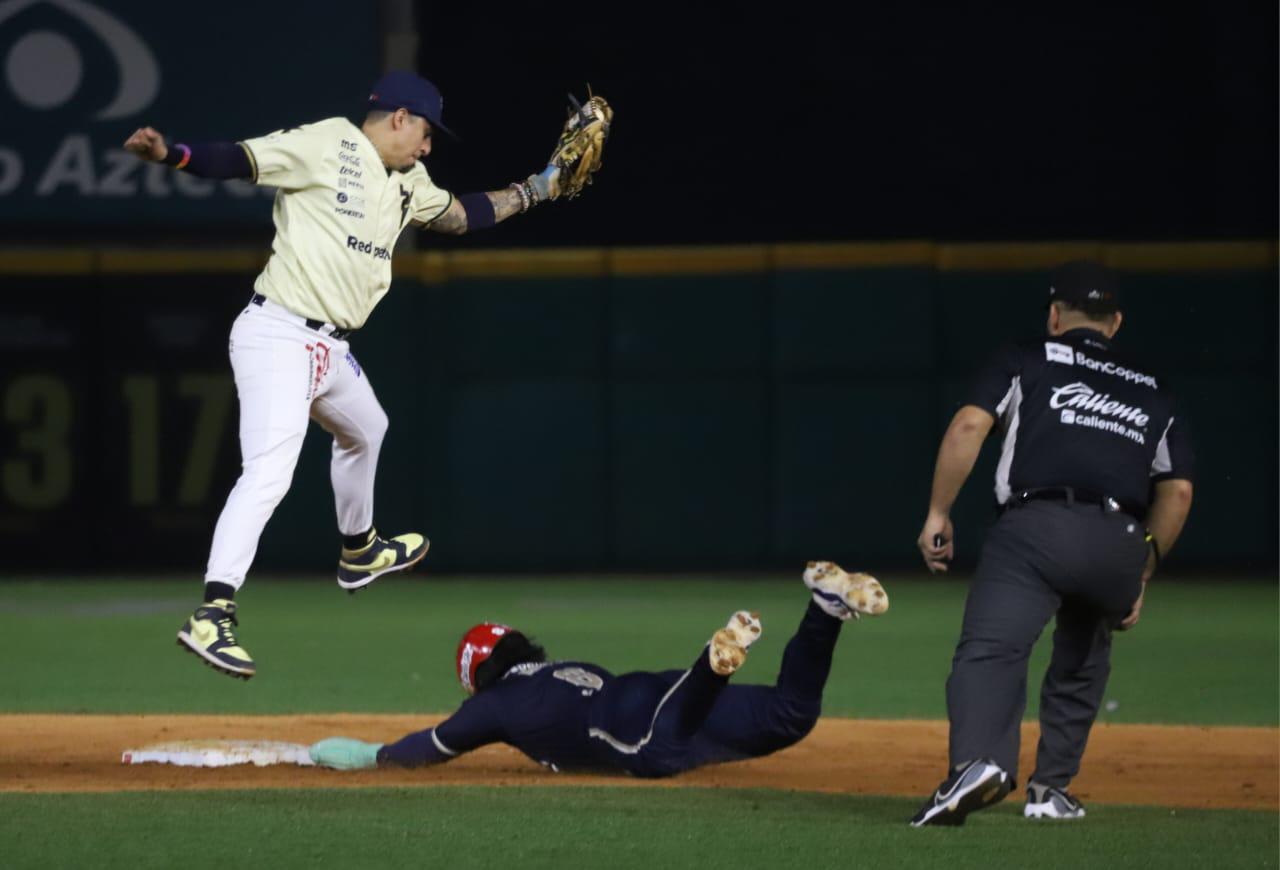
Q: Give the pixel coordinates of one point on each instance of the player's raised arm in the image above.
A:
(148, 144)
(575, 159)
(477, 211)
(218, 160)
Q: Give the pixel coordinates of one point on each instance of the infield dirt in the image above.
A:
(1177, 766)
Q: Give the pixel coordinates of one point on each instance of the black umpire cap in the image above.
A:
(1085, 285)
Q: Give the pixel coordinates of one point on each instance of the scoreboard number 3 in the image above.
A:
(39, 473)
(38, 477)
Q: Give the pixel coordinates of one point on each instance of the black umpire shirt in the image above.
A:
(1074, 414)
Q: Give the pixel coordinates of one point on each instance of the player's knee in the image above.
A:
(369, 437)
(273, 491)
(797, 720)
(365, 438)
(983, 650)
(377, 428)
(1087, 671)
(268, 484)
(791, 719)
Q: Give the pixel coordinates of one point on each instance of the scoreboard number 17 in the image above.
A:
(40, 472)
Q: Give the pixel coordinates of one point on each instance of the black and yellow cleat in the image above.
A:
(358, 568)
(208, 634)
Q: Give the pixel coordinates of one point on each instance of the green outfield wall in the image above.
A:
(614, 409)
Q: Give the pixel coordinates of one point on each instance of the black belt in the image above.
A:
(1071, 495)
(337, 334)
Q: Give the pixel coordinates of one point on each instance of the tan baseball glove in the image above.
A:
(578, 153)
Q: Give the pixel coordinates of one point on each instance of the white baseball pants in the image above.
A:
(286, 374)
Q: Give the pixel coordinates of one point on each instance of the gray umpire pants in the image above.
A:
(1041, 559)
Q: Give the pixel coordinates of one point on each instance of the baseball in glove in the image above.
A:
(577, 155)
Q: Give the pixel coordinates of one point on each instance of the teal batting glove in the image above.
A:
(343, 753)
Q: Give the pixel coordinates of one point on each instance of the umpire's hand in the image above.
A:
(1136, 612)
(936, 542)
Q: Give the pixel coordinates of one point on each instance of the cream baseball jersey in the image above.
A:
(338, 213)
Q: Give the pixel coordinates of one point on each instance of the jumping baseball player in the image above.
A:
(577, 716)
(344, 194)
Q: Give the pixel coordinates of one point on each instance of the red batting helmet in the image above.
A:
(475, 648)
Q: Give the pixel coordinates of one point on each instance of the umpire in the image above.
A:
(1093, 487)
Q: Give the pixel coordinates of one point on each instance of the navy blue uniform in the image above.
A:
(579, 716)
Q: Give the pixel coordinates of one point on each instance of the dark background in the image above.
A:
(617, 419)
(607, 422)
(803, 121)
(798, 121)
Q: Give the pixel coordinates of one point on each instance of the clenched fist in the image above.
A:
(147, 143)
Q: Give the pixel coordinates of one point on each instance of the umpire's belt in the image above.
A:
(334, 332)
(1071, 495)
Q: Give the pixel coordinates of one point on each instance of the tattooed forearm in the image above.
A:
(453, 221)
(506, 202)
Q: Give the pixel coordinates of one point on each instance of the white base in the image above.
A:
(220, 753)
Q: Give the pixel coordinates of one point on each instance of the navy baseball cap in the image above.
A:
(402, 89)
(1086, 285)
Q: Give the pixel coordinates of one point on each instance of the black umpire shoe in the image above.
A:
(1048, 802)
(973, 786)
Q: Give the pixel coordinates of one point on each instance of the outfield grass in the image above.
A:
(618, 828)
(1205, 652)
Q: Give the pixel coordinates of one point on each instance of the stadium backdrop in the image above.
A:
(604, 409)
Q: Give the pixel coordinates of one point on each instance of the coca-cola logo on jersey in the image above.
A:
(1082, 397)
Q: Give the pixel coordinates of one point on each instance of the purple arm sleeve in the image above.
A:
(477, 722)
(479, 210)
(412, 751)
(213, 160)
